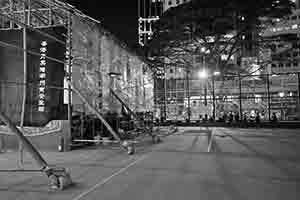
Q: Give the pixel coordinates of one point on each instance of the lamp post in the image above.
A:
(240, 95)
(281, 95)
(188, 95)
(216, 73)
(269, 97)
(203, 74)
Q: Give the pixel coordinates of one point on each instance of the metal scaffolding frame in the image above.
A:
(34, 15)
(246, 92)
(39, 14)
(149, 12)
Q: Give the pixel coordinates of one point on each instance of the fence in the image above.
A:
(244, 96)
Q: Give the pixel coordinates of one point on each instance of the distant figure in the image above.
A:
(230, 117)
(245, 118)
(200, 117)
(274, 117)
(224, 117)
(205, 117)
(252, 117)
(257, 118)
(157, 120)
(237, 117)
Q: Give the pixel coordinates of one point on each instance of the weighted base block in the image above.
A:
(156, 139)
(60, 178)
(129, 146)
(130, 150)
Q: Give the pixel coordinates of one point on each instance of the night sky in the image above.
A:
(118, 16)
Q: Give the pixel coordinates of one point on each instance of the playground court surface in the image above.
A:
(193, 163)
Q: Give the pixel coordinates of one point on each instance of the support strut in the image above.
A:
(125, 144)
(155, 138)
(59, 177)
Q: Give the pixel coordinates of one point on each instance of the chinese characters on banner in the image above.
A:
(44, 100)
(42, 77)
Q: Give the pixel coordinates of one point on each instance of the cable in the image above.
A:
(4, 44)
(31, 84)
(32, 29)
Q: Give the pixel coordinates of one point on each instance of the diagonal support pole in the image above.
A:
(125, 144)
(30, 148)
(59, 177)
(124, 104)
(155, 138)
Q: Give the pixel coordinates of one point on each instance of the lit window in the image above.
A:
(257, 98)
(41, 109)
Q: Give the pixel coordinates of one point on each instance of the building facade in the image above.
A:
(270, 85)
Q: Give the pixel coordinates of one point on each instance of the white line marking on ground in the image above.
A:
(102, 182)
(211, 141)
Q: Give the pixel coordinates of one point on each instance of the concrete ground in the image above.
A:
(241, 164)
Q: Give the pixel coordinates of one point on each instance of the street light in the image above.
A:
(203, 74)
(281, 94)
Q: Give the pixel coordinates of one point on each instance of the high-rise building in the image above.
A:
(149, 12)
(285, 53)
